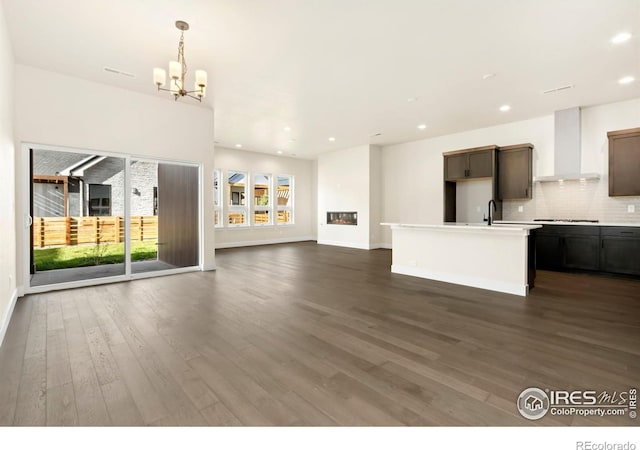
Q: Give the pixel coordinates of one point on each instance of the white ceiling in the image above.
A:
(346, 68)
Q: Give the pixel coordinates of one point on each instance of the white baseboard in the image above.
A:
(208, 267)
(7, 316)
(482, 283)
(354, 245)
(345, 244)
(264, 242)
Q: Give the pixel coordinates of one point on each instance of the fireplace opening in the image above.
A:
(342, 218)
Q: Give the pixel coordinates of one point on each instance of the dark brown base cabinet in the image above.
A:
(577, 247)
(620, 250)
(548, 251)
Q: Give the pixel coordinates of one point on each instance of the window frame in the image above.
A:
(290, 204)
(217, 199)
(231, 208)
(262, 208)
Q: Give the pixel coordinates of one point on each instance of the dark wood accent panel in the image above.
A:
(322, 336)
(624, 162)
(178, 242)
(449, 201)
(515, 174)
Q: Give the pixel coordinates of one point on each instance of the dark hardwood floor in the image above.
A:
(302, 334)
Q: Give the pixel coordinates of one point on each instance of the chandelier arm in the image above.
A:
(194, 97)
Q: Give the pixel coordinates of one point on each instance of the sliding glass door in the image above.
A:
(77, 211)
(95, 216)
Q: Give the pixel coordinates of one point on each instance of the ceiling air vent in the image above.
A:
(557, 89)
(119, 72)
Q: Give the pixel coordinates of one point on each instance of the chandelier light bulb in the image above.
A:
(201, 78)
(159, 76)
(175, 70)
(178, 72)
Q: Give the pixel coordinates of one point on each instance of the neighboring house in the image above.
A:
(72, 184)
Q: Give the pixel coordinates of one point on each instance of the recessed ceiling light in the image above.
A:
(293, 154)
(279, 152)
(422, 126)
(292, 140)
(505, 108)
(238, 145)
(332, 139)
(486, 76)
(412, 99)
(376, 135)
(287, 129)
(626, 80)
(620, 38)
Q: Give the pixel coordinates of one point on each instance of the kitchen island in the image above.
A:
(498, 257)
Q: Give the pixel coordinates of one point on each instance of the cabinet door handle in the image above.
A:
(526, 192)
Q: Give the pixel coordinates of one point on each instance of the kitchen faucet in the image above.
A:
(489, 221)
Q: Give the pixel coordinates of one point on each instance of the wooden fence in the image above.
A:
(56, 231)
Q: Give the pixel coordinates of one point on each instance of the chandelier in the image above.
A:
(178, 71)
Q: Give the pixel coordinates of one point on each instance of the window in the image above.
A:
(99, 200)
(237, 188)
(284, 199)
(261, 199)
(217, 201)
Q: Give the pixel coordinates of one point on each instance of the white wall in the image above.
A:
(59, 110)
(472, 198)
(7, 181)
(413, 171)
(343, 185)
(376, 207)
(303, 172)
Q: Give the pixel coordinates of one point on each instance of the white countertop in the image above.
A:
(593, 224)
(451, 226)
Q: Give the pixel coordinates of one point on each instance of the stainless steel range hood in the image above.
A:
(567, 149)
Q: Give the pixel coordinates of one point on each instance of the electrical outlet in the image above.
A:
(520, 208)
(631, 208)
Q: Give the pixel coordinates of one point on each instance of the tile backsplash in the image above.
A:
(586, 199)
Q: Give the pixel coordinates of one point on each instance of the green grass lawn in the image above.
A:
(91, 255)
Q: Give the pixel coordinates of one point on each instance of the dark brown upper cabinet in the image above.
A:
(624, 162)
(471, 163)
(515, 175)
